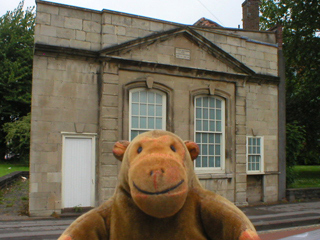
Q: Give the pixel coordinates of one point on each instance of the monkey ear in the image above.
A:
(120, 148)
(193, 149)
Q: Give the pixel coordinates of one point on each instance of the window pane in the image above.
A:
(219, 126)
(218, 102)
(217, 150)
(211, 161)
(204, 162)
(212, 114)
(135, 97)
(198, 162)
(211, 138)
(143, 96)
(205, 113)
(158, 111)
(204, 138)
(205, 102)
(204, 149)
(205, 125)
(151, 123)
(134, 134)
(146, 105)
(158, 123)
(135, 122)
(198, 102)
(143, 110)
(218, 162)
(217, 138)
(151, 97)
(212, 103)
(158, 99)
(254, 141)
(254, 154)
(218, 114)
(211, 149)
(212, 126)
(135, 109)
(198, 113)
(150, 110)
(143, 122)
(198, 125)
(198, 137)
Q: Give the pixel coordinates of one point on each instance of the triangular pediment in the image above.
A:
(179, 47)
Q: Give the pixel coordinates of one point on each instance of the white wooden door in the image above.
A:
(78, 170)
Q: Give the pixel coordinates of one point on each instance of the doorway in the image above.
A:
(78, 171)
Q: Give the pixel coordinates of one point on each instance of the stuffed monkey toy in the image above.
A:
(159, 197)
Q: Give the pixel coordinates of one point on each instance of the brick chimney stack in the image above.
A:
(250, 14)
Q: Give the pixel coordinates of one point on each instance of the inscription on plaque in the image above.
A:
(183, 53)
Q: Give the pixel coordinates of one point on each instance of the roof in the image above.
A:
(203, 22)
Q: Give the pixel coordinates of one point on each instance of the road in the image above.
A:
(51, 230)
(33, 229)
(283, 233)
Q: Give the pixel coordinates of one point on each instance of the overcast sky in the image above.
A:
(227, 13)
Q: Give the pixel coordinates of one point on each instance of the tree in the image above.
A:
(301, 37)
(16, 53)
(18, 137)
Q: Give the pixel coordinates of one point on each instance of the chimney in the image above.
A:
(250, 14)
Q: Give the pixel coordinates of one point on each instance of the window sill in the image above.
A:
(204, 176)
(263, 173)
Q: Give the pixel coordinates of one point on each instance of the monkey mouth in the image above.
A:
(158, 193)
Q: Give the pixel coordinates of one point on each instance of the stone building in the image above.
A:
(101, 76)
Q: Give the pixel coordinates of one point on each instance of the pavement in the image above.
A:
(266, 218)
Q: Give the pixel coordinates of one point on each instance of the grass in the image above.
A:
(307, 177)
(6, 168)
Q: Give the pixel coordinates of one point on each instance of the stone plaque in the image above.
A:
(183, 53)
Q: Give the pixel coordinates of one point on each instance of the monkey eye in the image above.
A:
(173, 148)
(139, 150)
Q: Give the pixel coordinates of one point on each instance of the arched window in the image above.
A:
(210, 132)
(147, 111)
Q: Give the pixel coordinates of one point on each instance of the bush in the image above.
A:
(296, 138)
(18, 138)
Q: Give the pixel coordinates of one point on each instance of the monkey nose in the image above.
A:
(157, 172)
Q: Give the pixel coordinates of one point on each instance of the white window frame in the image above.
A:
(93, 137)
(220, 169)
(164, 109)
(261, 154)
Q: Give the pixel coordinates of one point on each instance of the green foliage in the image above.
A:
(301, 37)
(306, 177)
(295, 144)
(18, 137)
(16, 53)
(6, 168)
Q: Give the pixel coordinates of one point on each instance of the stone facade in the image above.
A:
(86, 62)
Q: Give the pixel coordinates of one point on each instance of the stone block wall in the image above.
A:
(67, 26)
(64, 99)
(88, 95)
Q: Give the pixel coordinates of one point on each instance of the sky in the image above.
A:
(227, 13)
